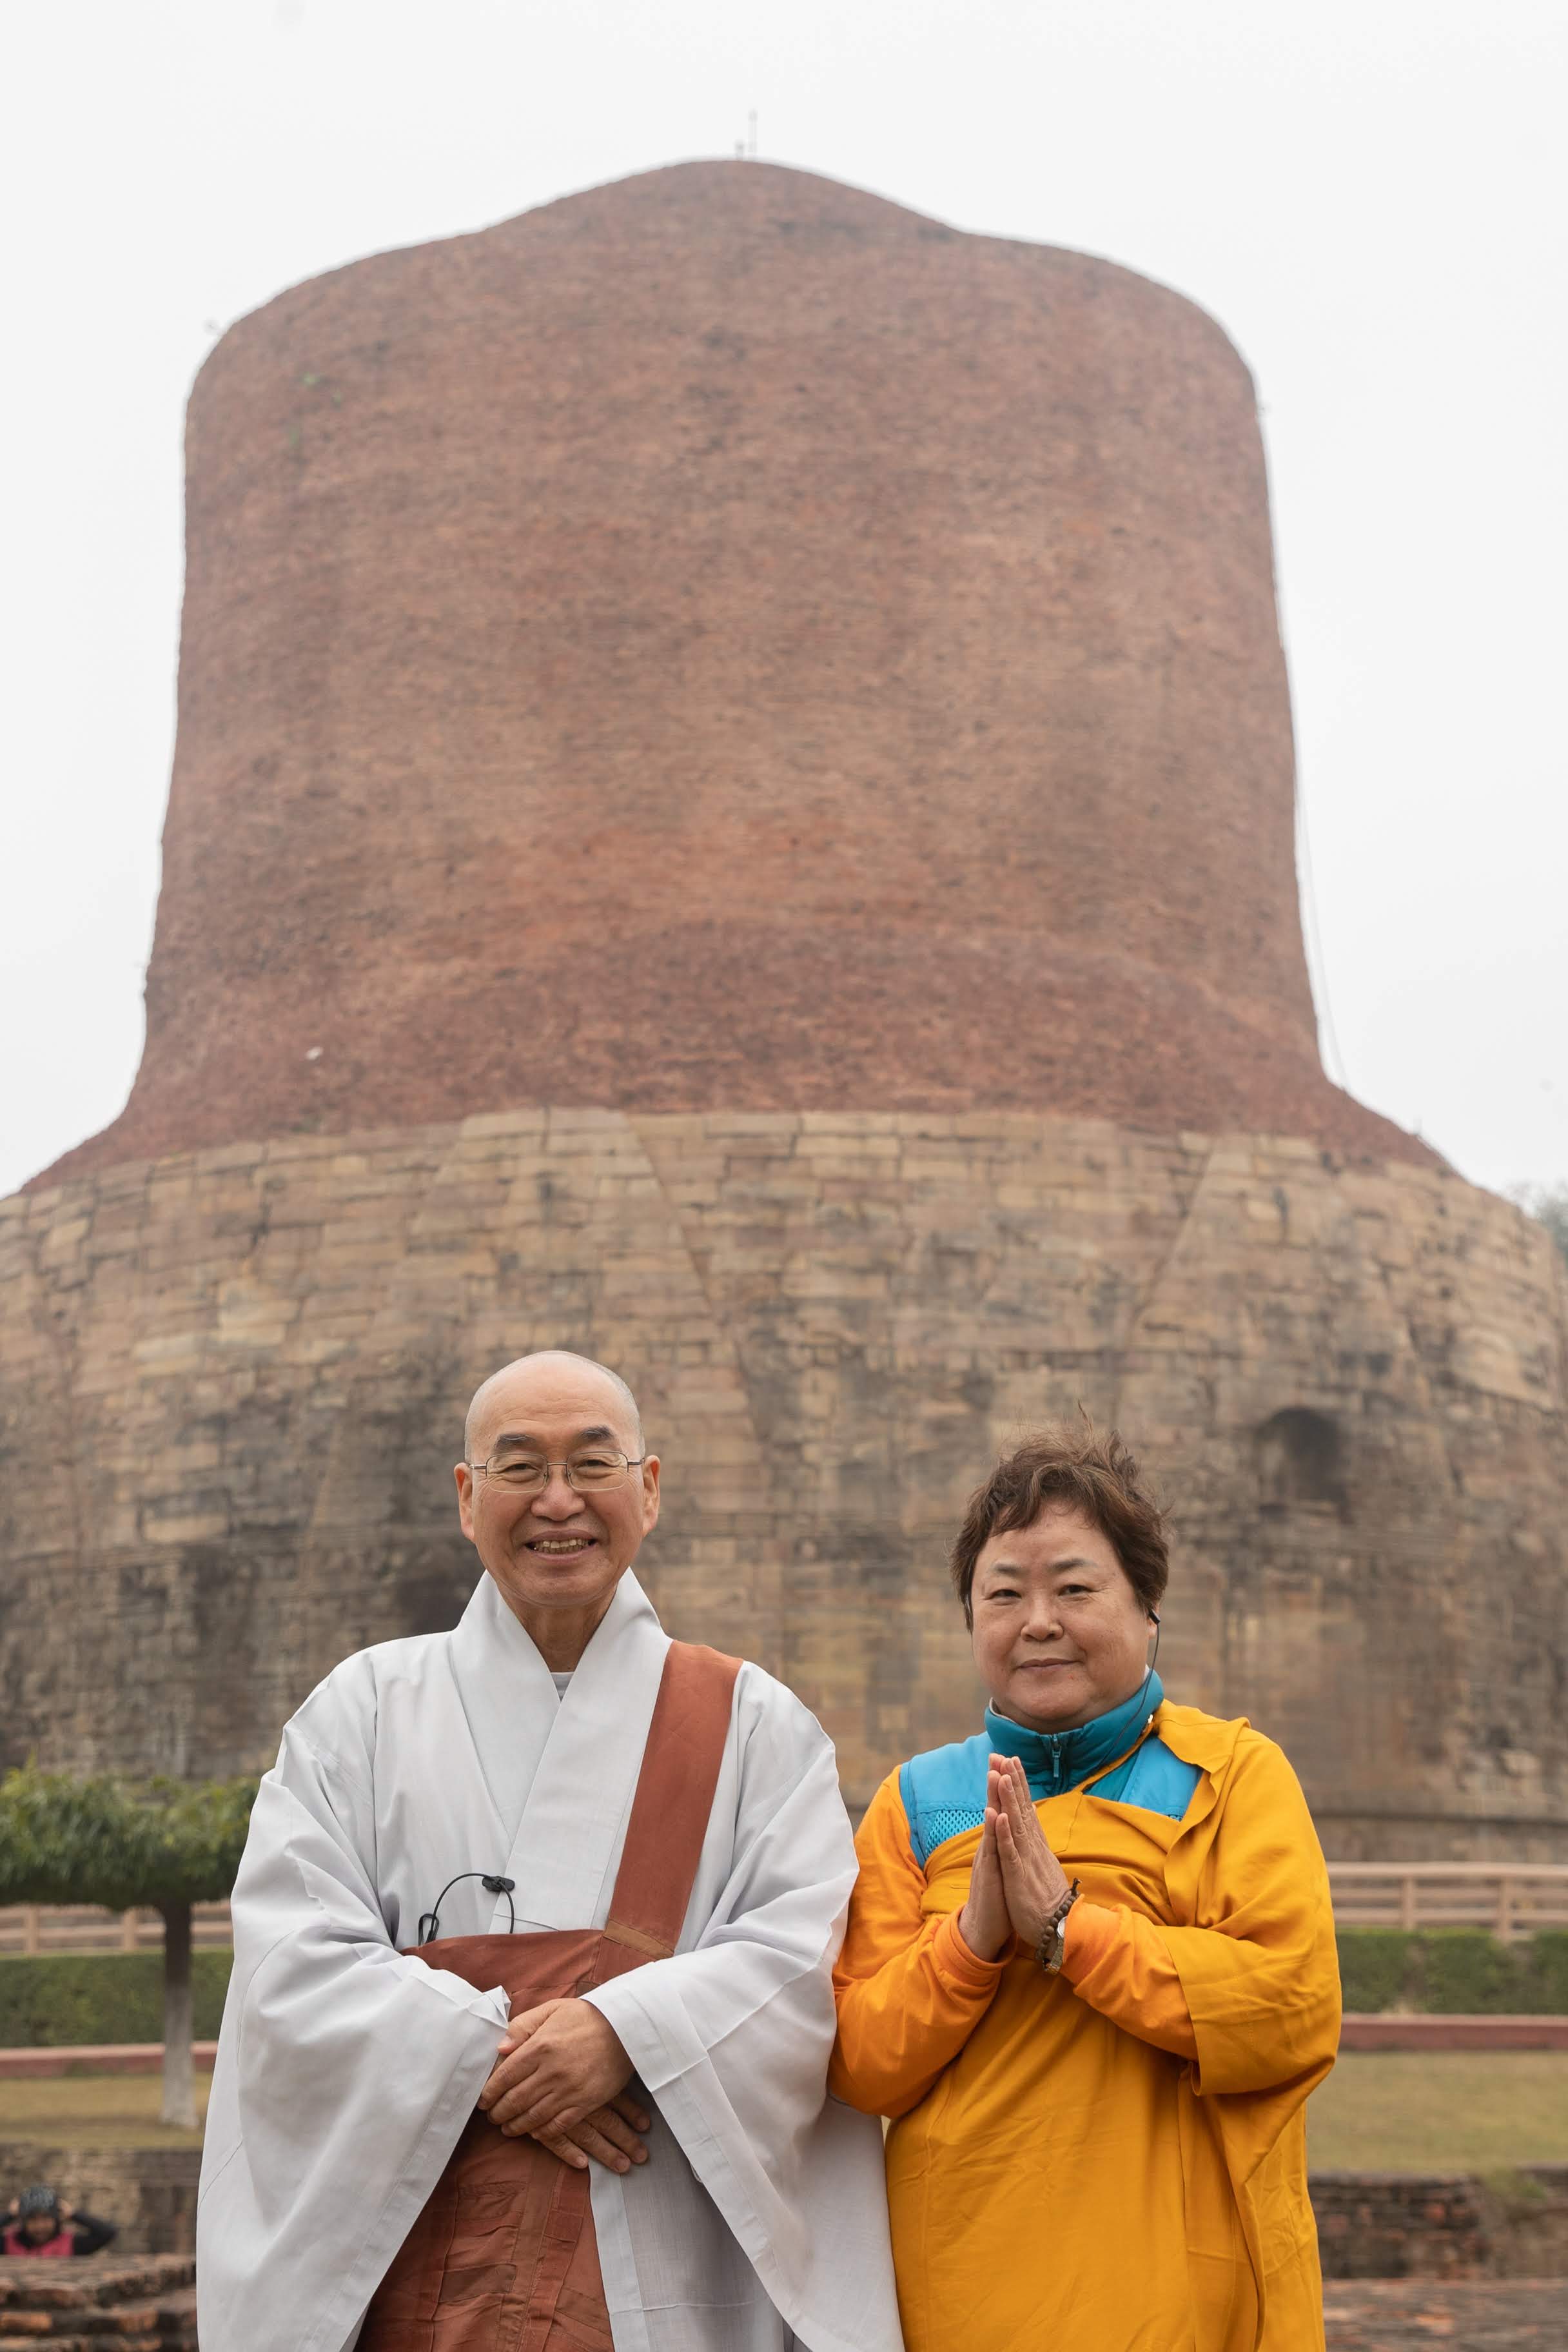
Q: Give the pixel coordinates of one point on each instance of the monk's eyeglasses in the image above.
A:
(587, 1473)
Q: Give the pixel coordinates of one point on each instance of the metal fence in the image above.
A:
(1510, 1899)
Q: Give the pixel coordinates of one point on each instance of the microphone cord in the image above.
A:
(1149, 1670)
(492, 1885)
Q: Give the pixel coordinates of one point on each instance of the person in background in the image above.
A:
(39, 2223)
(1090, 1971)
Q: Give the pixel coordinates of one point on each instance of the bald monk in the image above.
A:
(532, 2008)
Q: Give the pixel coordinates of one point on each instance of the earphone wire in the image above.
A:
(1149, 1669)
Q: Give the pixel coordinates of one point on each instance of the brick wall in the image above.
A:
(1443, 2225)
(1394, 2225)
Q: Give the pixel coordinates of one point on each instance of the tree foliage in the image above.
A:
(1549, 1204)
(163, 1843)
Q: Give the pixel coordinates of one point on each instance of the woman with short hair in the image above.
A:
(1090, 1971)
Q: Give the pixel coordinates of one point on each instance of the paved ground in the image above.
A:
(1463, 2315)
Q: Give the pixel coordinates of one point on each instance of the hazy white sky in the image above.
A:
(1368, 194)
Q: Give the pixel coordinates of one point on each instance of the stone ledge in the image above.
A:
(97, 2058)
(1454, 2033)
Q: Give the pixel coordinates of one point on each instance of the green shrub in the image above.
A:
(1550, 1971)
(1375, 1968)
(1464, 1971)
(60, 1999)
(1446, 1971)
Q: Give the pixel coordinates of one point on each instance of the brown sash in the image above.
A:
(503, 2258)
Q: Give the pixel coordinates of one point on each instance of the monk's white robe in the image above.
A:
(346, 2071)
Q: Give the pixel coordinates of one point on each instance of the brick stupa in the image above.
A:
(733, 809)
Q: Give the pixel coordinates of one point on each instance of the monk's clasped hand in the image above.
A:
(1033, 1880)
(611, 2135)
(555, 2065)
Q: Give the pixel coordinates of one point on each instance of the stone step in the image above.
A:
(67, 2314)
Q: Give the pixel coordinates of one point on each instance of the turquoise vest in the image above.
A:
(944, 1790)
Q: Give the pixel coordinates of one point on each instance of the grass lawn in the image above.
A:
(1380, 2111)
(94, 2111)
(1440, 2111)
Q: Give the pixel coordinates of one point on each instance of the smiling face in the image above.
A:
(556, 1556)
(1059, 1634)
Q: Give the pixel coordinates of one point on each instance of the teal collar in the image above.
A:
(1055, 1760)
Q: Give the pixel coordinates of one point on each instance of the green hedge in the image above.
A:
(61, 1999)
(1444, 1970)
(1375, 1963)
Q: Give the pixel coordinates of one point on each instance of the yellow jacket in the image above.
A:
(1112, 2159)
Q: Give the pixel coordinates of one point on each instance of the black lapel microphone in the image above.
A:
(430, 1921)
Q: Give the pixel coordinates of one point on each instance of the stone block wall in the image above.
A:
(232, 1384)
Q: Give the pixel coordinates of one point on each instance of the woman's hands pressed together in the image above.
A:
(1032, 1877)
(1015, 1883)
(983, 1923)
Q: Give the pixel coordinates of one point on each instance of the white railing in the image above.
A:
(1509, 1898)
(82, 1927)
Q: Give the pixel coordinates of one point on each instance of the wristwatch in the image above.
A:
(1052, 1947)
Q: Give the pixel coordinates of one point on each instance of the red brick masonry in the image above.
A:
(870, 627)
(97, 2058)
(1469, 2316)
(1454, 2033)
(1384, 2225)
(145, 2304)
